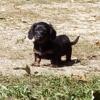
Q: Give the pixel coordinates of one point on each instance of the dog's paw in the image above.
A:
(35, 64)
(54, 65)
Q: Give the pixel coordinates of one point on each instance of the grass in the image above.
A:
(47, 88)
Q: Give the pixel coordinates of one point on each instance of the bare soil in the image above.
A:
(70, 18)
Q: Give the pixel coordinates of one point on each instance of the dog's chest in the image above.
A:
(43, 49)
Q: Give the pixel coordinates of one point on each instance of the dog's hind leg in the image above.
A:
(68, 54)
(56, 61)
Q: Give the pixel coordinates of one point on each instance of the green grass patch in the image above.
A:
(40, 87)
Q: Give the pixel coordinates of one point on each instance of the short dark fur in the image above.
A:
(49, 46)
(55, 49)
(42, 31)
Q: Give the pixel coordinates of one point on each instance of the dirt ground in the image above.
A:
(70, 18)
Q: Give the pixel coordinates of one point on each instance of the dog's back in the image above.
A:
(63, 39)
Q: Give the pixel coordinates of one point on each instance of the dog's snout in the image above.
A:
(37, 36)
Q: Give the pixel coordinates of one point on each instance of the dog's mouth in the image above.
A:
(40, 39)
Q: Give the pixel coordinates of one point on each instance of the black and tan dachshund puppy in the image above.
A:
(49, 46)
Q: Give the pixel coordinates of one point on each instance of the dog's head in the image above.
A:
(42, 31)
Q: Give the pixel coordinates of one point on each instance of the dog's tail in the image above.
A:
(75, 41)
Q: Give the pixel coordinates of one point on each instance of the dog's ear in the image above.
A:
(52, 32)
(33, 26)
(31, 31)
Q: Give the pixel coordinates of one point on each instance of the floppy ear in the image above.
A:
(52, 32)
(31, 31)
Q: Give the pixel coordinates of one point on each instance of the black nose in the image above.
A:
(37, 37)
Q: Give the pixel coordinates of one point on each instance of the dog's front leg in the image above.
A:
(37, 60)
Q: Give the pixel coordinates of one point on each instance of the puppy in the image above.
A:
(43, 34)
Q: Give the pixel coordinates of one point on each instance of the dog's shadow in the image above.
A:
(70, 63)
(64, 63)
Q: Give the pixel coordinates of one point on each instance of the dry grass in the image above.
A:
(16, 17)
